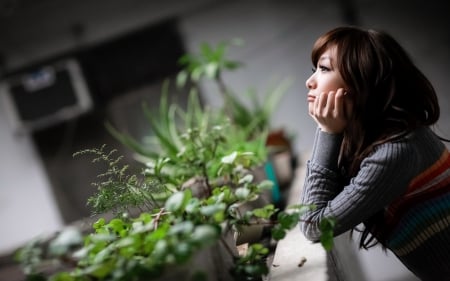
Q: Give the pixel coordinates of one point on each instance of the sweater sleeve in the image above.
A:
(383, 176)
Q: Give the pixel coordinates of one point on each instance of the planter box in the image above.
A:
(213, 263)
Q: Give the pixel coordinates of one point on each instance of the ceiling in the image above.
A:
(34, 29)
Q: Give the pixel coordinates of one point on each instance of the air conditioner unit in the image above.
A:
(45, 96)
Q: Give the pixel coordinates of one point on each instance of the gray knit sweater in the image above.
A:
(408, 179)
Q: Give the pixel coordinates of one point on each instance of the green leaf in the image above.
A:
(302, 208)
(103, 255)
(126, 242)
(61, 276)
(98, 270)
(265, 184)
(265, 212)
(67, 238)
(99, 223)
(128, 141)
(229, 159)
(232, 65)
(101, 237)
(278, 232)
(242, 193)
(182, 78)
(141, 227)
(182, 227)
(206, 51)
(161, 249)
(183, 252)
(246, 179)
(288, 221)
(197, 74)
(178, 201)
(205, 234)
(273, 98)
(193, 205)
(327, 232)
(326, 239)
(210, 210)
(117, 225)
(327, 224)
(175, 202)
(185, 59)
(211, 70)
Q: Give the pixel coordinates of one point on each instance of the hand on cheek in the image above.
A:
(331, 111)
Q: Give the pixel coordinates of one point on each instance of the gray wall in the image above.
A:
(278, 37)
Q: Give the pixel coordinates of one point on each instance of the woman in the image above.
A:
(375, 159)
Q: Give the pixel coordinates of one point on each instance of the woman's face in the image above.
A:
(325, 77)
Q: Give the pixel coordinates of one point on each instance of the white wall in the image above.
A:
(27, 206)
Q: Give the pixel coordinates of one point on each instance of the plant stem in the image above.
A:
(158, 216)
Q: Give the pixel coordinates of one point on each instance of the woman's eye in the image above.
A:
(323, 68)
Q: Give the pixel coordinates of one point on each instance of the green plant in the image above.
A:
(211, 63)
(246, 124)
(186, 143)
(120, 191)
(144, 246)
(169, 233)
(199, 169)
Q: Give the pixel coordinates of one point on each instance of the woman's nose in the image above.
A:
(309, 83)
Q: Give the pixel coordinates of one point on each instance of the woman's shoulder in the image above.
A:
(420, 135)
(421, 145)
(423, 138)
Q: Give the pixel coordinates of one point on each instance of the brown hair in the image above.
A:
(391, 96)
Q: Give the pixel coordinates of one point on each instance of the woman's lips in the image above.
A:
(311, 98)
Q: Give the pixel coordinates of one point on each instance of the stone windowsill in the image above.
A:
(295, 257)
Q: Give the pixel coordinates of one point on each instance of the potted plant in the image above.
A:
(193, 164)
(248, 111)
(163, 236)
(178, 219)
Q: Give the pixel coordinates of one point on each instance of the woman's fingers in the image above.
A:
(320, 103)
(325, 105)
(339, 103)
(330, 111)
(331, 103)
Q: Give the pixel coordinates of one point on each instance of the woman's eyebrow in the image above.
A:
(325, 58)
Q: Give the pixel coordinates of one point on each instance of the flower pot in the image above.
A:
(213, 263)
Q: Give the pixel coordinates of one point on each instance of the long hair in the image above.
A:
(391, 97)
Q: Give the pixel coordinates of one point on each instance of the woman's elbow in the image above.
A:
(310, 232)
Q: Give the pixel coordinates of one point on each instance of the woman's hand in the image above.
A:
(332, 111)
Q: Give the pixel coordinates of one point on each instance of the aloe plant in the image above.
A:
(210, 63)
(183, 138)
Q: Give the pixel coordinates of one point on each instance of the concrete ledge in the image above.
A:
(296, 258)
